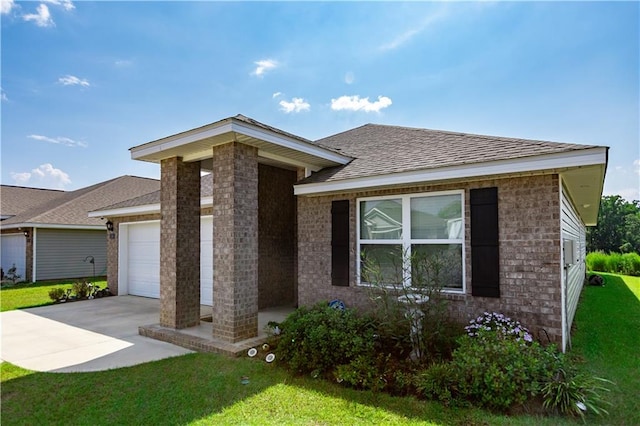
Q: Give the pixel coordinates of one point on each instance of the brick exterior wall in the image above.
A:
(530, 270)
(179, 243)
(276, 236)
(235, 252)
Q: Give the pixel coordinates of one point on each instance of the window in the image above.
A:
(428, 228)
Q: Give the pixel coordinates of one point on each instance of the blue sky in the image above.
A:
(82, 82)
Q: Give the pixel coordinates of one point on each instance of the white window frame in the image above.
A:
(406, 241)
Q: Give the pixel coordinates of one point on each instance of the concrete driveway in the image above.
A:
(89, 335)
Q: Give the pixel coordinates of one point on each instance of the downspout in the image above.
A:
(34, 242)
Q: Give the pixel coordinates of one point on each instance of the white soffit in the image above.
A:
(142, 209)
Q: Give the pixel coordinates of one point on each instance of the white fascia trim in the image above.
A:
(144, 209)
(244, 129)
(587, 157)
(290, 143)
(52, 226)
(174, 142)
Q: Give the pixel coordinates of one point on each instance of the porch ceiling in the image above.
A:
(273, 145)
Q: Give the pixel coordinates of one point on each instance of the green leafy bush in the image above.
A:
(316, 340)
(56, 294)
(439, 382)
(615, 263)
(81, 289)
(631, 264)
(597, 261)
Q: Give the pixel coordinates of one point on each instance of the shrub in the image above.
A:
(597, 261)
(631, 264)
(56, 294)
(614, 263)
(490, 326)
(81, 289)
(318, 339)
(573, 393)
(439, 382)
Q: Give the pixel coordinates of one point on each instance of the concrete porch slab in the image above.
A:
(200, 338)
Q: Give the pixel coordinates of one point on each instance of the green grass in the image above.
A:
(206, 388)
(29, 295)
(607, 337)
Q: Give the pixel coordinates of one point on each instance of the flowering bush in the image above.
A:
(492, 324)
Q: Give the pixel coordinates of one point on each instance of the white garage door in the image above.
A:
(13, 250)
(141, 256)
(143, 259)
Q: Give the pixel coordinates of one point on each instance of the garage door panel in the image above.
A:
(13, 250)
(143, 260)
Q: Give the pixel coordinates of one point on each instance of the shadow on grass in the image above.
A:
(207, 388)
(607, 337)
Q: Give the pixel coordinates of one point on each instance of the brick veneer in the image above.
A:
(179, 243)
(276, 236)
(530, 271)
(235, 251)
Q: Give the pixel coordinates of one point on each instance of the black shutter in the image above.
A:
(485, 266)
(340, 243)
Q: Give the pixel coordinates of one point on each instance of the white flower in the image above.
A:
(581, 406)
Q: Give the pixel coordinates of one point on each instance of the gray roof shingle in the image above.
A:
(381, 149)
(19, 199)
(71, 208)
(206, 190)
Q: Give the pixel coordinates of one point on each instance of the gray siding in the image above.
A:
(573, 229)
(60, 253)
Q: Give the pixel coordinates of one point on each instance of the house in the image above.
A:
(286, 220)
(47, 234)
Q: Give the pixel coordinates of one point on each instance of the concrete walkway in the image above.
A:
(89, 335)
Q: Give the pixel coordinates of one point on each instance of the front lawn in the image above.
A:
(29, 295)
(207, 388)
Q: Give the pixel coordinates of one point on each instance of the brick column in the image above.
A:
(179, 243)
(235, 242)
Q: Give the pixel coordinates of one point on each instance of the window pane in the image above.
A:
(438, 265)
(381, 264)
(438, 217)
(381, 220)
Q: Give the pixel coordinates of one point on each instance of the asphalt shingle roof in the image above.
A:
(19, 199)
(71, 208)
(206, 190)
(380, 150)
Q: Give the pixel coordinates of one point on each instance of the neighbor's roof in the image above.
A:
(382, 150)
(70, 209)
(19, 199)
(151, 199)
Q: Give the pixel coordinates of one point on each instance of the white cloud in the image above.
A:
(66, 4)
(636, 166)
(349, 78)
(275, 95)
(123, 63)
(61, 140)
(296, 105)
(3, 95)
(72, 80)
(42, 18)
(407, 35)
(45, 176)
(6, 6)
(263, 66)
(354, 103)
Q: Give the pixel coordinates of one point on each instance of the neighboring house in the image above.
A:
(47, 234)
(286, 220)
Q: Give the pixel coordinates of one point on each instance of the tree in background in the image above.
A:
(618, 228)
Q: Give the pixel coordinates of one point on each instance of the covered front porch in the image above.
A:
(254, 239)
